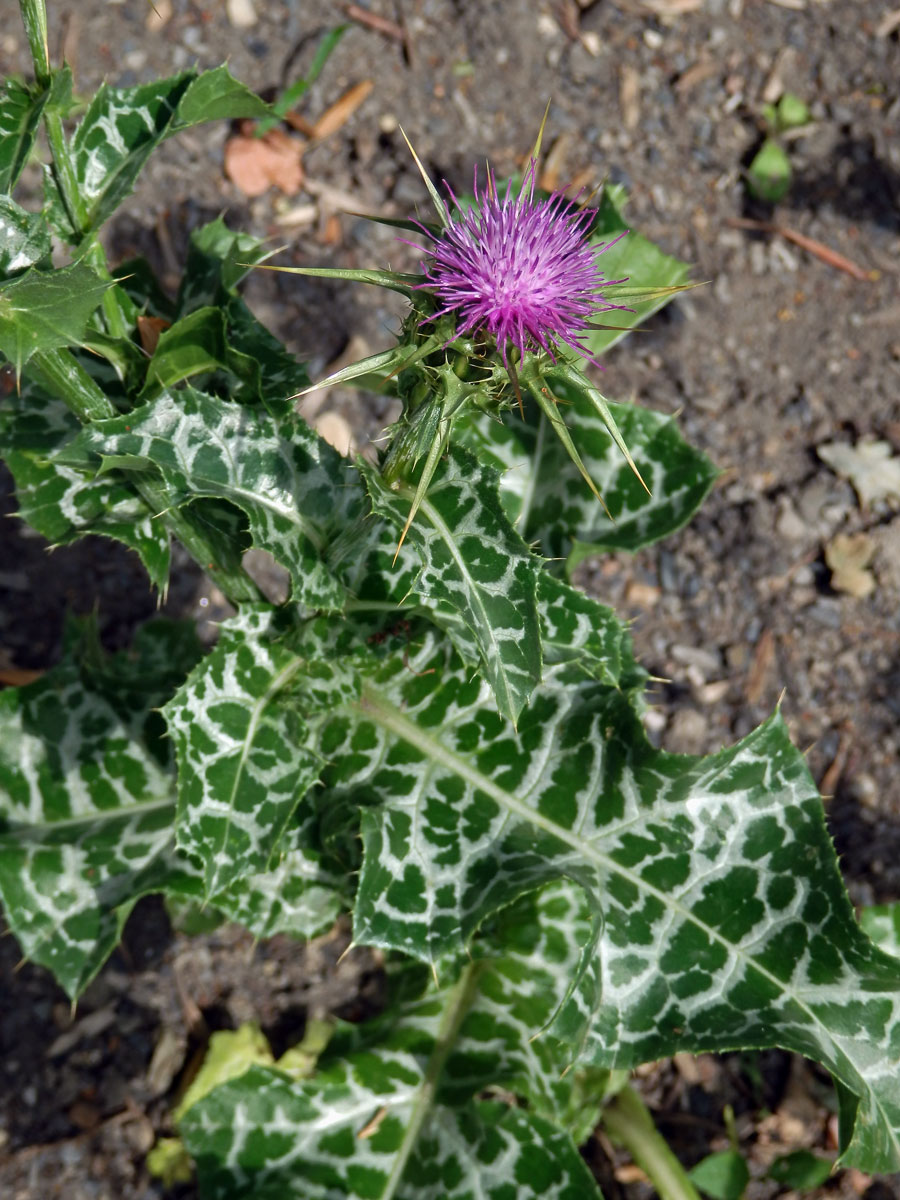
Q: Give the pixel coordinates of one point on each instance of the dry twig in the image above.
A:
(819, 249)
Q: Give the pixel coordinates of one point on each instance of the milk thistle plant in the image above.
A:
(436, 733)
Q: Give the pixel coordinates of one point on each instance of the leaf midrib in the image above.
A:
(16, 832)
(278, 681)
(376, 707)
(502, 687)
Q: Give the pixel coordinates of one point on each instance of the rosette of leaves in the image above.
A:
(441, 738)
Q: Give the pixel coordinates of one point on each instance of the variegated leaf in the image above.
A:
(390, 1111)
(218, 259)
(24, 238)
(476, 565)
(245, 762)
(298, 493)
(123, 126)
(551, 505)
(87, 799)
(635, 259)
(576, 629)
(343, 1136)
(47, 310)
(20, 112)
(296, 896)
(882, 923)
(62, 504)
(720, 916)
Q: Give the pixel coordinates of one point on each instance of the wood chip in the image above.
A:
(90, 1026)
(644, 595)
(783, 68)
(672, 8)
(335, 117)
(848, 556)
(371, 20)
(372, 1126)
(829, 781)
(688, 80)
(553, 164)
(888, 23)
(168, 1059)
(763, 658)
(630, 96)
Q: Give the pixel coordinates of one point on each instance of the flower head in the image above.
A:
(519, 267)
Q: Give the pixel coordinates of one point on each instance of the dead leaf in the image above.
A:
(848, 555)
(869, 465)
(255, 164)
(149, 329)
(18, 676)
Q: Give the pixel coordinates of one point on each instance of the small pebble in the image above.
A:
(159, 15)
(241, 13)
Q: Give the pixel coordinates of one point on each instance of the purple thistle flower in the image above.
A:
(520, 268)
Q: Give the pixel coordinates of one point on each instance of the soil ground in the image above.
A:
(780, 353)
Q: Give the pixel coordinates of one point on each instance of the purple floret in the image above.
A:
(519, 267)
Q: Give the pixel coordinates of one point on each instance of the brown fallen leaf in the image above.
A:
(333, 118)
(149, 329)
(871, 466)
(848, 555)
(254, 164)
(18, 676)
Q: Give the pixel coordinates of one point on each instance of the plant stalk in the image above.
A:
(458, 1004)
(628, 1122)
(66, 377)
(34, 18)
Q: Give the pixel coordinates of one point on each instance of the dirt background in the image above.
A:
(779, 353)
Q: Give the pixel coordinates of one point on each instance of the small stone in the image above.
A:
(159, 15)
(334, 429)
(687, 732)
(84, 1115)
(241, 13)
(789, 524)
(705, 662)
(643, 595)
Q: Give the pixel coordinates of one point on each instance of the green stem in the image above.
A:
(64, 374)
(34, 18)
(628, 1122)
(79, 216)
(458, 1004)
